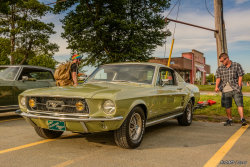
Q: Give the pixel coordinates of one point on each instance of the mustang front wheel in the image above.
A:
(130, 134)
(48, 134)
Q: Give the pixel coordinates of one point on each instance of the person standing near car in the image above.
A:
(229, 82)
(76, 60)
(66, 74)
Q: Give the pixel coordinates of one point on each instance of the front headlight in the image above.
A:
(80, 106)
(109, 107)
(23, 101)
(32, 103)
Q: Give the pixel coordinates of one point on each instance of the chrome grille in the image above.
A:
(57, 104)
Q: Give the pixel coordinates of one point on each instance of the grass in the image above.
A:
(217, 110)
(212, 87)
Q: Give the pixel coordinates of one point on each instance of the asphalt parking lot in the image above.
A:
(166, 144)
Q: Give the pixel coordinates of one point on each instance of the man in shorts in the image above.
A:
(229, 82)
(76, 60)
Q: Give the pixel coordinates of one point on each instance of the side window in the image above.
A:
(36, 74)
(166, 74)
(42, 75)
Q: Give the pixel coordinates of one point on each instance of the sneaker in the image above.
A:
(228, 122)
(244, 122)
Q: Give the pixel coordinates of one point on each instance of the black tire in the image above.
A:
(186, 118)
(128, 135)
(47, 134)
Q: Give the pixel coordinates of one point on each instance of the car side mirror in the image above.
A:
(164, 82)
(25, 78)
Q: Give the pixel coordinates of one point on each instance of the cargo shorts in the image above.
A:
(226, 99)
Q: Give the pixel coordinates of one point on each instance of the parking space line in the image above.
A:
(218, 156)
(25, 146)
(31, 144)
(10, 120)
(66, 163)
(77, 159)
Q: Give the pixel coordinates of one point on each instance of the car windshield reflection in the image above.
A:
(8, 73)
(123, 73)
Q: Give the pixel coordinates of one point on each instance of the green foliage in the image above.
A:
(21, 24)
(113, 31)
(210, 78)
(43, 60)
(246, 77)
(4, 51)
(217, 110)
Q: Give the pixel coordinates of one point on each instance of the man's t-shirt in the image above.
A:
(227, 88)
(230, 74)
(73, 69)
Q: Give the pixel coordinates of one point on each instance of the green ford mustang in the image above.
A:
(124, 98)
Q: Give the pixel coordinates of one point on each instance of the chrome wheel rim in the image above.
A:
(189, 112)
(135, 126)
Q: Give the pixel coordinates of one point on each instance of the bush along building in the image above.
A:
(191, 66)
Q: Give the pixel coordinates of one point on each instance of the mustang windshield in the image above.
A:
(138, 73)
(8, 73)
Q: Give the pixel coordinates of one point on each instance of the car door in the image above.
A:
(7, 77)
(6, 93)
(170, 95)
(31, 78)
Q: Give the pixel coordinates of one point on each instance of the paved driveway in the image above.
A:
(166, 144)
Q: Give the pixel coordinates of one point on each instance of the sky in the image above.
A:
(237, 22)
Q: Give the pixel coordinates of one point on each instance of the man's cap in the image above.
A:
(76, 56)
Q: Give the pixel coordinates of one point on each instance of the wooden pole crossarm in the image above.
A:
(181, 22)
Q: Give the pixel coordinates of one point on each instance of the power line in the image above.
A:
(179, 3)
(173, 7)
(208, 9)
(177, 16)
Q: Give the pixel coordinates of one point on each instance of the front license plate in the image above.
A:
(56, 125)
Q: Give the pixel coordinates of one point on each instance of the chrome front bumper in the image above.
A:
(87, 119)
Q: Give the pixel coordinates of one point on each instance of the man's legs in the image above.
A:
(238, 98)
(229, 121)
(241, 113)
(229, 115)
(226, 101)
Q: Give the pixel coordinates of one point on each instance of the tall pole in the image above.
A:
(220, 27)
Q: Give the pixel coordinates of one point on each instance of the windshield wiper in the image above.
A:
(123, 81)
(120, 81)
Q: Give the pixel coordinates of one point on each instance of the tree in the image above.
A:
(107, 31)
(210, 78)
(43, 60)
(29, 36)
(4, 51)
(246, 77)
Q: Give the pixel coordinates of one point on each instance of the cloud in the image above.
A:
(188, 38)
(240, 1)
(237, 25)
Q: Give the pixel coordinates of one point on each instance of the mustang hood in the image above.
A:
(85, 90)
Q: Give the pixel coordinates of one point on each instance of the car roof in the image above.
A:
(45, 68)
(140, 63)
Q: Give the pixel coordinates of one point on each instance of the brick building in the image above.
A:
(191, 66)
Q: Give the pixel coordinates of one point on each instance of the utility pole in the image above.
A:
(221, 42)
